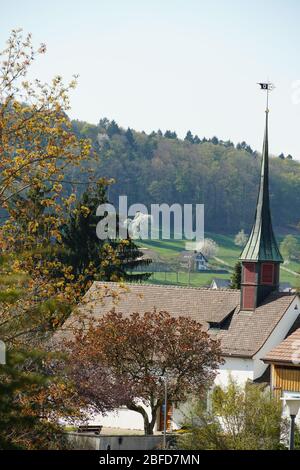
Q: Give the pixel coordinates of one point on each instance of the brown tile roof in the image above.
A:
(247, 331)
(288, 351)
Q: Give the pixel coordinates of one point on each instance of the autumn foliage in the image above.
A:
(137, 353)
(36, 146)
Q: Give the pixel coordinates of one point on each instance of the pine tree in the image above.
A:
(91, 257)
(112, 129)
(130, 138)
(189, 137)
(236, 277)
(170, 134)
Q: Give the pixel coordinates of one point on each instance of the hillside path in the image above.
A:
(290, 271)
(221, 261)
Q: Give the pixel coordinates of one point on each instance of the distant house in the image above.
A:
(194, 261)
(218, 283)
(286, 287)
(200, 262)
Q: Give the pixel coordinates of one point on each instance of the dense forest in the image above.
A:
(159, 168)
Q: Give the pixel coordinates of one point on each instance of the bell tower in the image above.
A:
(261, 257)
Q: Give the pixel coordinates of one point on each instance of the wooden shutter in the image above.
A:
(267, 273)
(248, 297)
(169, 417)
(249, 273)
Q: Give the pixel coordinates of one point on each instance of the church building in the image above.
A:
(249, 322)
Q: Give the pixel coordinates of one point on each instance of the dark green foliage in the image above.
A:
(129, 137)
(223, 177)
(82, 249)
(170, 135)
(236, 278)
(189, 137)
(244, 146)
(112, 129)
(215, 140)
(23, 423)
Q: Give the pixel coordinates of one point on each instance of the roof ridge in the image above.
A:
(171, 286)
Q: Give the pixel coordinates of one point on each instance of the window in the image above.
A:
(249, 272)
(223, 324)
(267, 273)
(248, 297)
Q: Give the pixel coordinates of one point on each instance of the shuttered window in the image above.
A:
(249, 272)
(248, 297)
(267, 273)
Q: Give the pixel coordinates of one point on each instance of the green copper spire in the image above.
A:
(262, 245)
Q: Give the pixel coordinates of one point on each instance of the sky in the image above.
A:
(173, 64)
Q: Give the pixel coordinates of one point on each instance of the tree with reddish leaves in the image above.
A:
(137, 353)
(96, 385)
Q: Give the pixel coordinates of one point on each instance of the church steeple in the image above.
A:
(261, 256)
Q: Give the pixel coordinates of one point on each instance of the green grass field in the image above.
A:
(228, 252)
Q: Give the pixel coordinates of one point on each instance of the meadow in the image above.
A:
(226, 257)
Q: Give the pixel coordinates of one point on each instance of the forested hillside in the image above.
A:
(160, 168)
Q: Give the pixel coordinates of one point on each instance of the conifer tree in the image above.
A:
(111, 259)
(189, 137)
(130, 138)
(236, 277)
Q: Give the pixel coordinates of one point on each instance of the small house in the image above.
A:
(218, 283)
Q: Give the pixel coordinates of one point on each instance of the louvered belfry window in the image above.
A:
(267, 273)
(249, 273)
(248, 297)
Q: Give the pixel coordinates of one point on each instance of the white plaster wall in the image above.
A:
(238, 368)
(121, 418)
(277, 336)
(181, 413)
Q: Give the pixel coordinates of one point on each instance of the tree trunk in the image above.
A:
(148, 429)
(148, 425)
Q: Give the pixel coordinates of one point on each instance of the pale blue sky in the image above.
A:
(176, 64)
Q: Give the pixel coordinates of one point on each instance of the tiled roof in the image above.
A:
(249, 330)
(201, 304)
(245, 335)
(221, 283)
(288, 351)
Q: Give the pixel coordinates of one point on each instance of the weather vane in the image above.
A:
(269, 87)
